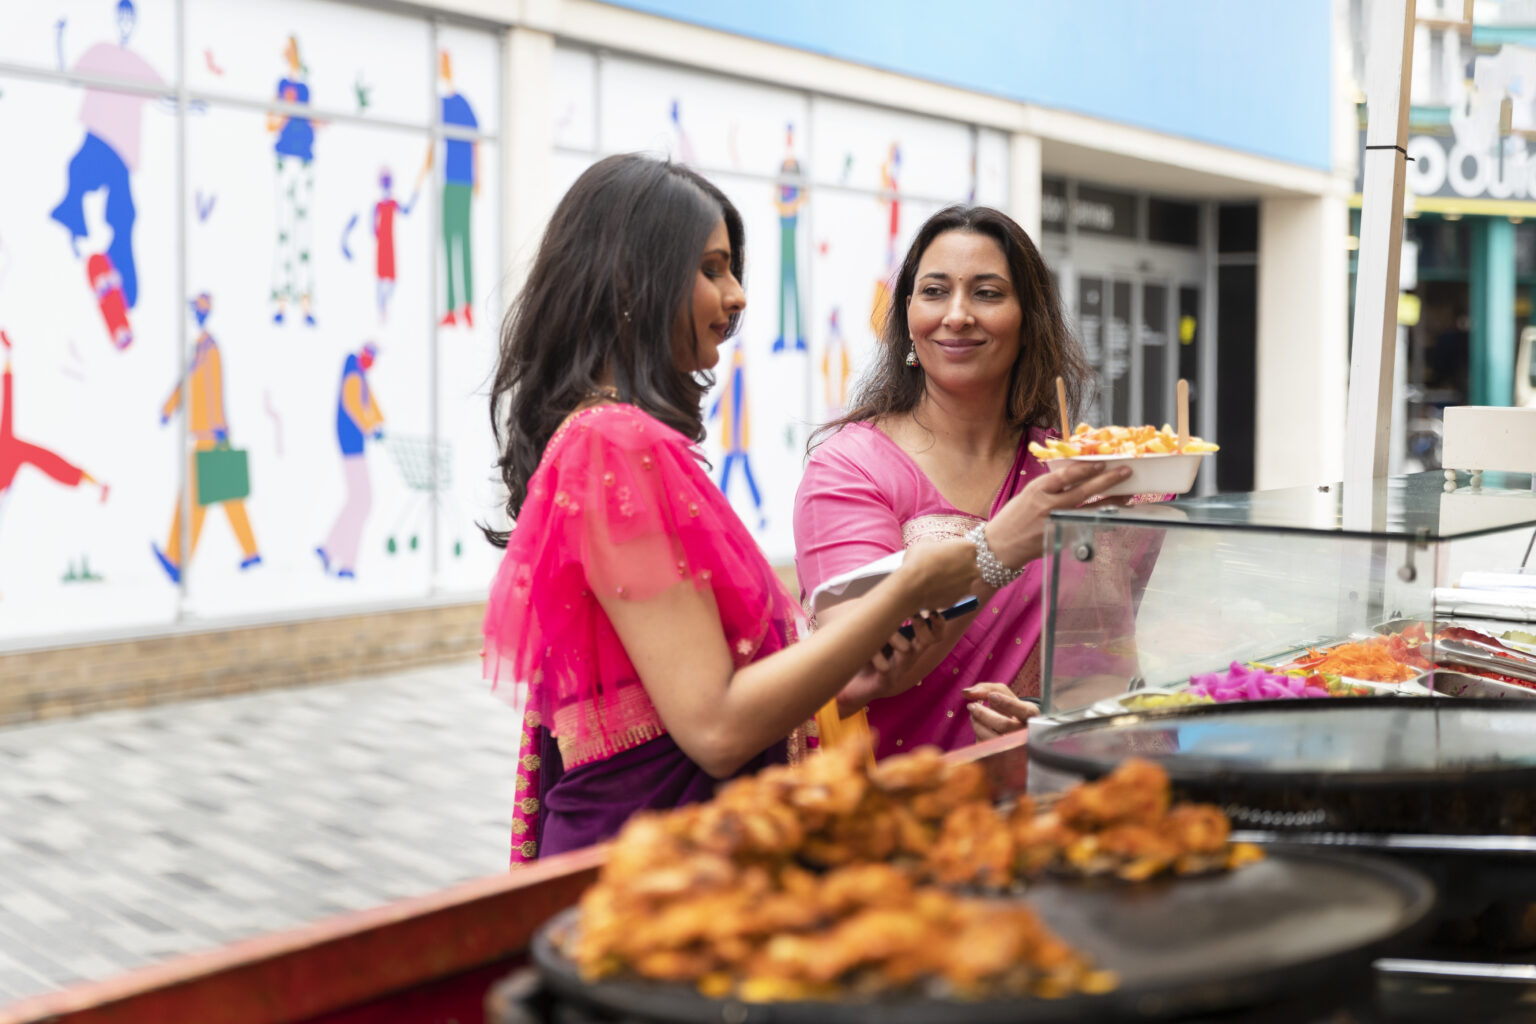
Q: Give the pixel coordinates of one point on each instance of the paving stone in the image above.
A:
(132, 836)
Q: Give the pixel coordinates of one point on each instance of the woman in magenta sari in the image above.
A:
(936, 447)
(652, 641)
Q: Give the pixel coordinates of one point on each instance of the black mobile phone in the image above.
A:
(954, 611)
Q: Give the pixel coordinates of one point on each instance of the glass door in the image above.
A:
(1154, 355)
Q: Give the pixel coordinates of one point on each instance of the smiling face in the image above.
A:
(964, 313)
(717, 296)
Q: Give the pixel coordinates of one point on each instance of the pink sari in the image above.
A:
(621, 506)
(862, 498)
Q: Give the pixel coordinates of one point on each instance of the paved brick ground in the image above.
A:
(132, 836)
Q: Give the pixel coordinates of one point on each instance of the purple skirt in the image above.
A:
(589, 804)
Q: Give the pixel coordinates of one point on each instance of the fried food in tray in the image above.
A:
(831, 880)
(1124, 825)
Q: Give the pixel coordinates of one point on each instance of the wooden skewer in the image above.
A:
(1061, 408)
(1183, 413)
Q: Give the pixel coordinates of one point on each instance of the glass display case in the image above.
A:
(1142, 597)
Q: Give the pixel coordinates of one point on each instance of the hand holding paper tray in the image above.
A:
(858, 582)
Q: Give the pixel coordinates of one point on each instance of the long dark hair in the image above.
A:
(1047, 347)
(609, 291)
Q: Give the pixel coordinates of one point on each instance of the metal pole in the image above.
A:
(435, 228)
(183, 420)
(1367, 432)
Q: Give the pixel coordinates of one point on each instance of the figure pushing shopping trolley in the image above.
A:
(426, 467)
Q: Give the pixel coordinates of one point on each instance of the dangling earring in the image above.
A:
(912, 355)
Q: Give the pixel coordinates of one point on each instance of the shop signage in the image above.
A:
(1442, 167)
(1095, 211)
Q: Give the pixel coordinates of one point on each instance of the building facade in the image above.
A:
(330, 203)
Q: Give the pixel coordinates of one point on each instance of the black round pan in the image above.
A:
(1370, 764)
(1297, 921)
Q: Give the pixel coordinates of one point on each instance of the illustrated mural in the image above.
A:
(732, 411)
(829, 193)
(106, 160)
(331, 142)
(792, 196)
(461, 184)
(836, 368)
(293, 269)
(222, 406)
(358, 420)
(16, 453)
(890, 199)
(385, 213)
(217, 473)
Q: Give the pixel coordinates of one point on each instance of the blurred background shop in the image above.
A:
(1469, 253)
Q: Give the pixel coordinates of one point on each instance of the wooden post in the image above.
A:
(1367, 431)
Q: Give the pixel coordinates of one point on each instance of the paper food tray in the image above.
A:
(1503, 605)
(855, 582)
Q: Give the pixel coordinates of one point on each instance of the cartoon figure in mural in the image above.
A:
(216, 472)
(790, 199)
(890, 195)
(357, 418)
(15, 453)
(836, 367)
(384, 213)
(106, 159)
(461, 184)
(684, 144)
(293, 271)
(730, 409)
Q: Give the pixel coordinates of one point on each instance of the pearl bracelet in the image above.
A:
(994, 573)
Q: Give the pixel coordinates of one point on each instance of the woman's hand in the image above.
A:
(939, 573)
(1017, 533)
(890, 671)
(995, 710)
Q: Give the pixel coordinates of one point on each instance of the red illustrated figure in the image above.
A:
(16, 453)
(107, 283)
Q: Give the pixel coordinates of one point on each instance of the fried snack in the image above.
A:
(832, 879)
(1124, 825)
(1132, 441)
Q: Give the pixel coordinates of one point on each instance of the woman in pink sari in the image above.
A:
(936, 447)
(652, 640)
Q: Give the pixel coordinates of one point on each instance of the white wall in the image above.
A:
(1303, 354)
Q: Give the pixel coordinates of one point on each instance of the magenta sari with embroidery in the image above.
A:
(619, 505)
(862, 498)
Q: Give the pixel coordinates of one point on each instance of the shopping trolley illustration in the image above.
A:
(426, 466)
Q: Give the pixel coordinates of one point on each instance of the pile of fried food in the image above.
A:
(833, 880)
(1135, 441)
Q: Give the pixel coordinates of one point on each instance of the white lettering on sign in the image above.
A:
(1099, 216)
(1426, 166)
(1053, 209)
(1085, 213)
(1470, 173)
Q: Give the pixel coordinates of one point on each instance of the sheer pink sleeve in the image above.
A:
(622, 508)
(843, 519)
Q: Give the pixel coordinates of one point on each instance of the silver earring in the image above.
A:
(626, 316)
(912, 355)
